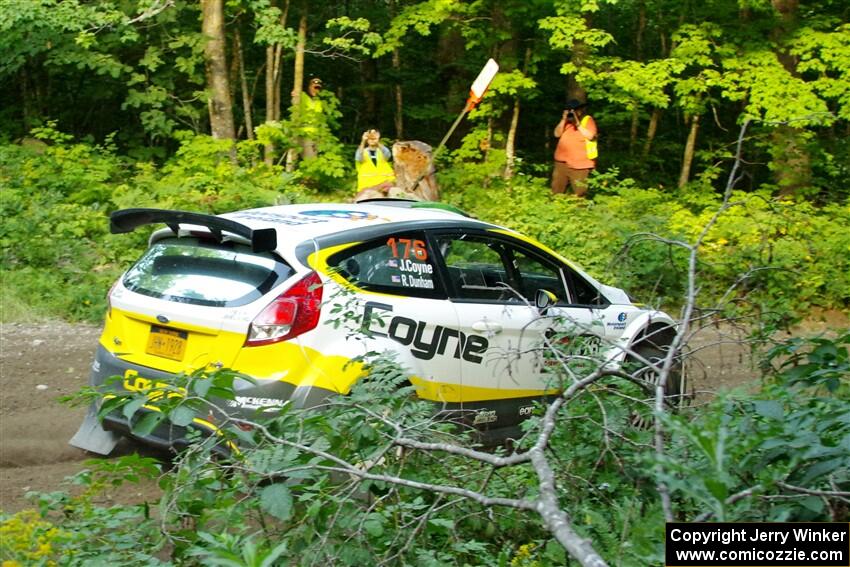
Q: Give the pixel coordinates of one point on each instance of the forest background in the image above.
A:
(111, 104)
(196, 105)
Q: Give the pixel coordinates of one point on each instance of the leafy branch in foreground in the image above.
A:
(376, 477)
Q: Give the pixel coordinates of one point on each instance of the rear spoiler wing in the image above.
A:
(126, 220)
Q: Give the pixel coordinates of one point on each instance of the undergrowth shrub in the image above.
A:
(76, 529)
(779, 454)
(792, 439)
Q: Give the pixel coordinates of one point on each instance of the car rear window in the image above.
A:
(205, 272)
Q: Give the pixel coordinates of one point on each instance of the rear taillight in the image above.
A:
(294, 312)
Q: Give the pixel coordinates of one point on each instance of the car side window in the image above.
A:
(584, 293)
(476, 268)
(400, 264)
(535, 274)
(538, 272)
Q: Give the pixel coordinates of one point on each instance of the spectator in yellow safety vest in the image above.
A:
(311, 110)
(372, 159)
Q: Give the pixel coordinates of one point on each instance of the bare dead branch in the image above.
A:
(704, 517)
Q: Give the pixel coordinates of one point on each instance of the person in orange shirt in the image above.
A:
(575, 154)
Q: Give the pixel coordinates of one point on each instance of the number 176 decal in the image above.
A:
(414, 248)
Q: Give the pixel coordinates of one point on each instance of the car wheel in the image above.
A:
(675, 389)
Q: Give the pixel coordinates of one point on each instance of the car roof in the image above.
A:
(326, 223)
(296, 223)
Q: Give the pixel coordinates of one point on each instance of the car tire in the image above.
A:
(676, 388)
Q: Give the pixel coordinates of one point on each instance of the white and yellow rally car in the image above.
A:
(464, 305)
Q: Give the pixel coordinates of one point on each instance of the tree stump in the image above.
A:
(414, 169)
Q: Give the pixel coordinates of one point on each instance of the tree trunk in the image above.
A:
(370, 104)
(398, 117)
(243, 81)
(298, 78)
(413, 164)
(268, 149)
(25, 100)
(641, 29)
(219, 102)
(488, 141)
(689, 151)
(274, 56)
(791, 161)
(510, 143)
(278, 62)
(578, 57)
(650, 132)
(633, 131)
(270, 74)
(298, 71)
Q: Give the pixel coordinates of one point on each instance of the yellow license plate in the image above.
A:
(167, 343)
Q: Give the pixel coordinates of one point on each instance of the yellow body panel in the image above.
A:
(456, 393)
(126, 334)
(285, 361)
(299, 365)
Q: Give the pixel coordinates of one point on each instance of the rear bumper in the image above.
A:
(251, 402)
(249, 397)
(167, 436)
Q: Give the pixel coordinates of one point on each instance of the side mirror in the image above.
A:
(544, 300)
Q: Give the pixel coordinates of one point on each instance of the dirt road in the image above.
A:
(41, 362)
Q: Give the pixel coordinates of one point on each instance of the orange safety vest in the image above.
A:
(370, 174)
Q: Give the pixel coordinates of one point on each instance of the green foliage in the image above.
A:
(58, 33)
(332, 163)
(354, 36)
(824, 56)
(128, 80)
(779, 258)
(78, 530)
(270, 31)
(137, 68)
(792, 438)
(282, 495)
(419, 18)
(228, 550)
(772, 93)
(55, 249)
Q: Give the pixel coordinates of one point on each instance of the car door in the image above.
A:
(402, 309)
(493, 280)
